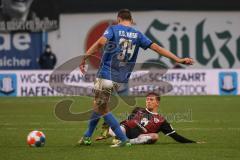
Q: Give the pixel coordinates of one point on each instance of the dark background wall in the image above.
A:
(113, 5)
(74, 6)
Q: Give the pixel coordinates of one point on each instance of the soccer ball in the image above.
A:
(36, 139)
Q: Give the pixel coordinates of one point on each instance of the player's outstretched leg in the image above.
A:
(145, 139)
(99, 106)
(86, 139)
(115, 126)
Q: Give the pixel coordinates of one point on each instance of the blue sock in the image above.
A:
(113, 123)
(92, 124)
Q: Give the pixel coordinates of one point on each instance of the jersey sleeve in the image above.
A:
(108, 33)
(145, 42)
(166, 128)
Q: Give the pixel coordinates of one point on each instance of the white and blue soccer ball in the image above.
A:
(36, 139)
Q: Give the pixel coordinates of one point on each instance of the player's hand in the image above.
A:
(82, 66)
(186, 61)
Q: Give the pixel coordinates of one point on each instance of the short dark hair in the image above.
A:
(125, 14)
(154, 94)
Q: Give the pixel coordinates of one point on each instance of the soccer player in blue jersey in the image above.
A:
(121, 43)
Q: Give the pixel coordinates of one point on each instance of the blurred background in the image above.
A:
(38, 36)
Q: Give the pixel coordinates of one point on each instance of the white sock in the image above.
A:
(141, 139)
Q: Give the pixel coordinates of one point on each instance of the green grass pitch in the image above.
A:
(214, 119)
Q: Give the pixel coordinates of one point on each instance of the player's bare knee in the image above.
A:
(155, 136)
(100, 103)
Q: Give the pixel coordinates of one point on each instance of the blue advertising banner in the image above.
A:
(20, 50)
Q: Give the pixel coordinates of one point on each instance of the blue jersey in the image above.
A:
(120, 52)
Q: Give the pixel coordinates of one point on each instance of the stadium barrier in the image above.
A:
(182, 82)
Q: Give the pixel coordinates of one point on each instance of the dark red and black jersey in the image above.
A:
(142, 121)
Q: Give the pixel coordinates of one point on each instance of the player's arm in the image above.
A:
(167, 129)
(164, 52)
(180, 138)
(97, 46)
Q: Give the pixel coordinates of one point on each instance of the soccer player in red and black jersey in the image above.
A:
(144, 124)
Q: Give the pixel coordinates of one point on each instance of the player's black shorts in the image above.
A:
(133, 132)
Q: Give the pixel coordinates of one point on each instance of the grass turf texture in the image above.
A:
(212, 119)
